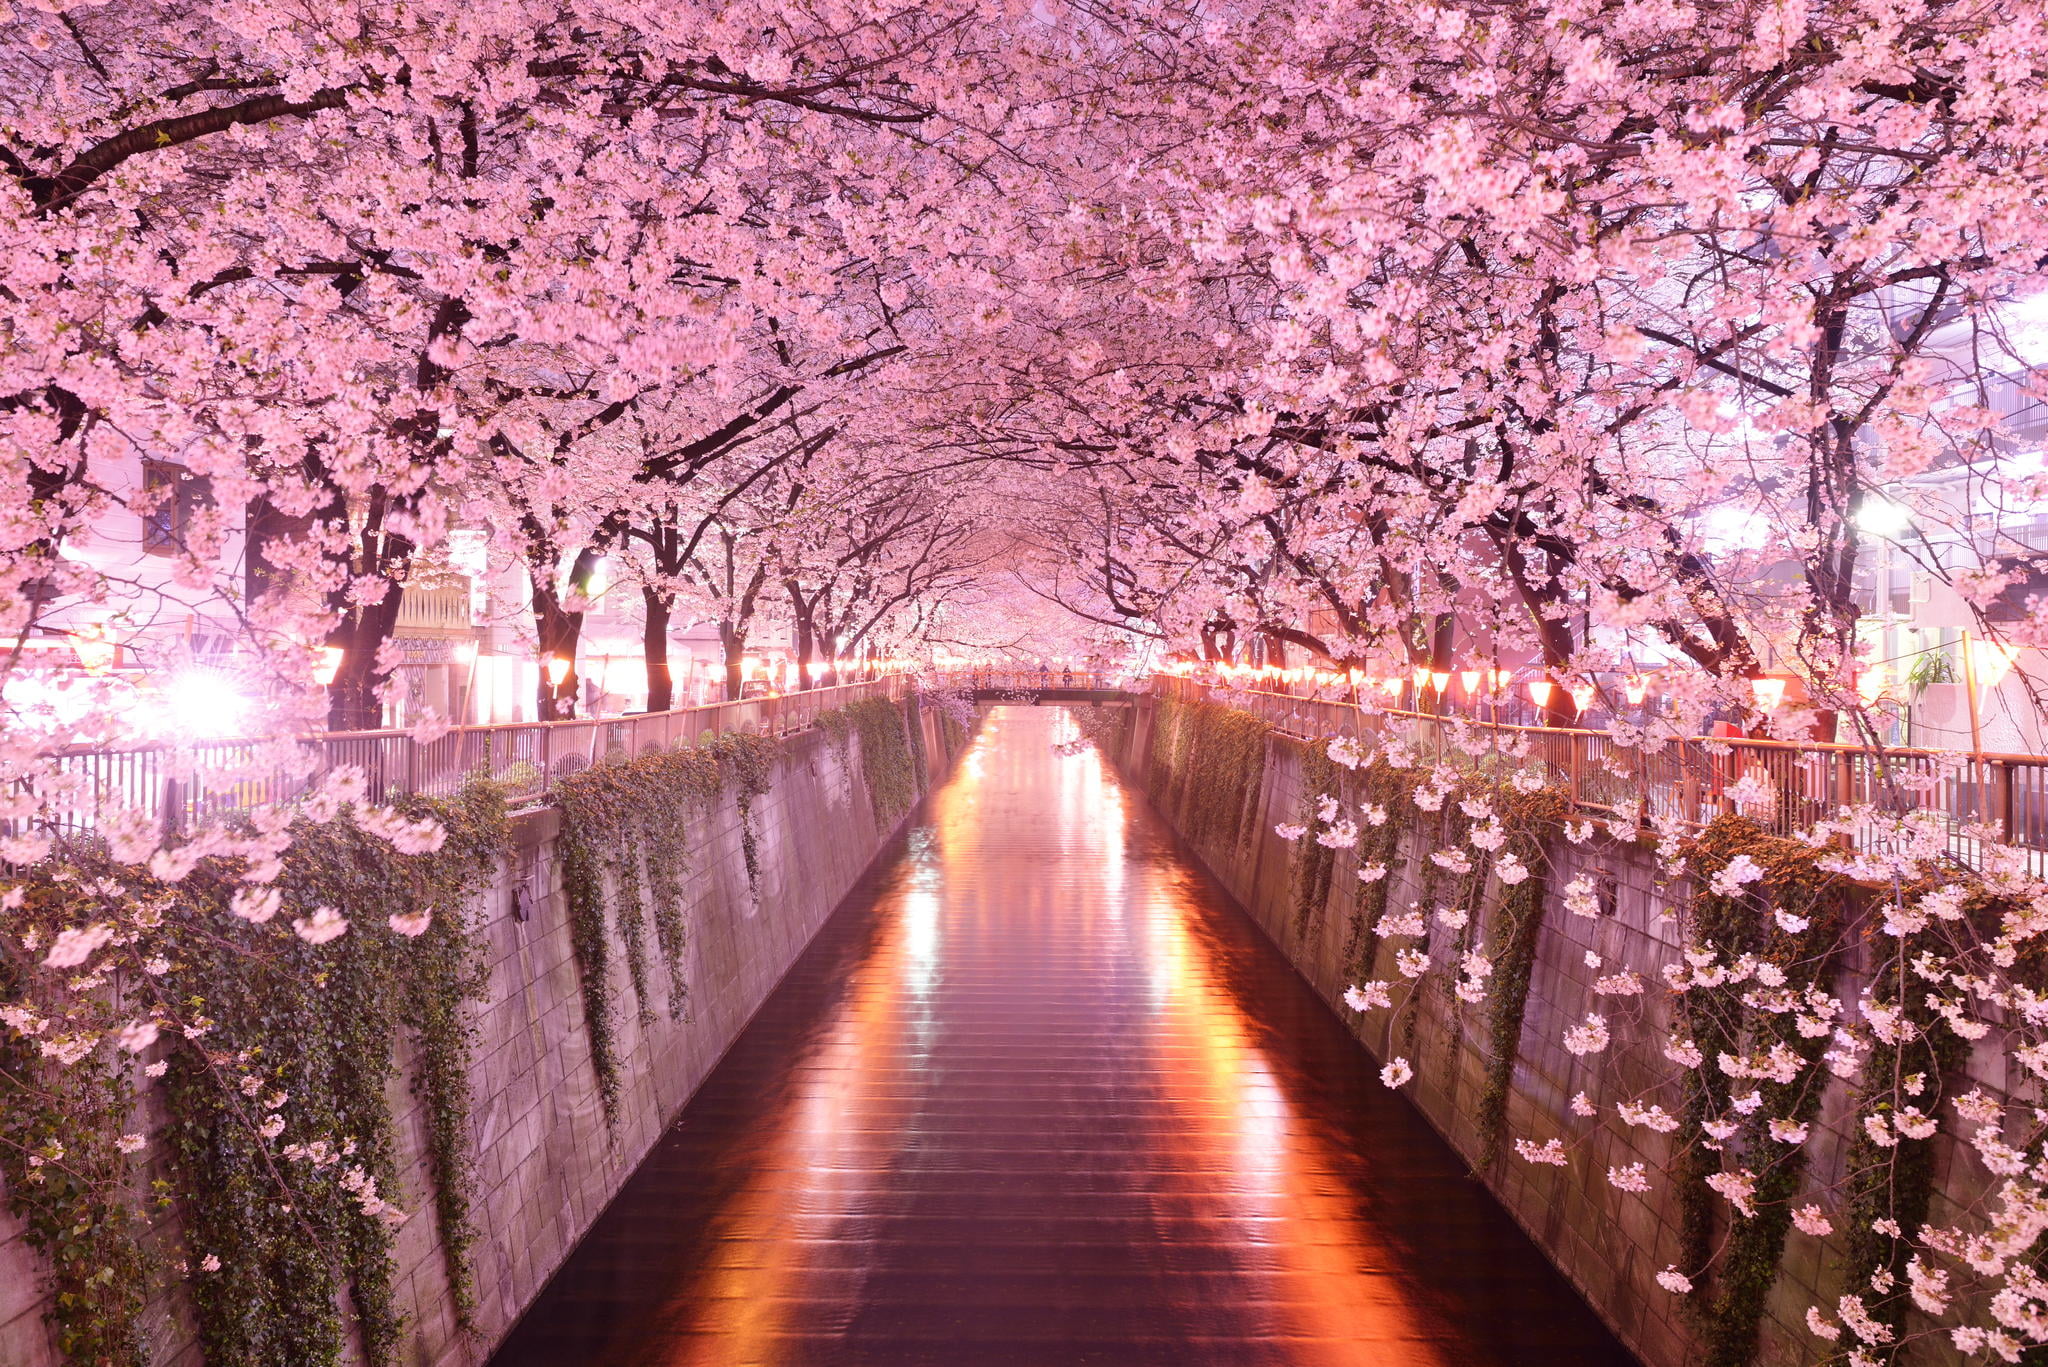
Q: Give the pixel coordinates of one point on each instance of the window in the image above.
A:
(174, 494)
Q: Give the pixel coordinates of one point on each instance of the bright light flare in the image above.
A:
(1991, 661)
(1882, 517)
(196, 704)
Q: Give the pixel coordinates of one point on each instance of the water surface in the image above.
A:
(1040, 1094)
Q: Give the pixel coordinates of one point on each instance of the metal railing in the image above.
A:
(1026, 682)
(1694, 780)
(183, 785)
(1690, 780)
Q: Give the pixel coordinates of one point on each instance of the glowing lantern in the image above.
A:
(1637, 688)
(329, 665)
(1769, 693)
(1391, 685)
(1539, 691)
(1471, 679)
(1439, 679)
(558, 669)
(1421, 676)
(1582, 696)
(1991, 661)
(95, 652)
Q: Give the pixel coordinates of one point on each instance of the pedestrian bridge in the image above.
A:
(1040, 1094)
(1033, 686)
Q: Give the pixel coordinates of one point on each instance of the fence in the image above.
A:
(1026, 682)
(1692, 780)
(181, 785)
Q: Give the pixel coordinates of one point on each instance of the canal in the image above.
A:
(1040, 1094)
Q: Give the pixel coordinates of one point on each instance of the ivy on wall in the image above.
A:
(278, 1158)
(1530, 819)
(621, 845)
(1896, 1182)
(76, 1201)
(275, 1173)
(1207, 767)
(913, 730)
(886, 758)
(746, 763)
(1776, 930)
(1386, 787)
(1737, 1284)
(1315, 863)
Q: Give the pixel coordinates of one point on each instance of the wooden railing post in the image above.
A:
(2005, 815)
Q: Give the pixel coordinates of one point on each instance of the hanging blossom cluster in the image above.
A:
(106, 948)
(1954, 945)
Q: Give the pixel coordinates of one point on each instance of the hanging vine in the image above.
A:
(913, 730)
(1511, 938)
(1315, 861)
(886, 758)
(276, 1034)
(1385, 788)
(1790, 921)
(1893, 1184)
(69, 1182)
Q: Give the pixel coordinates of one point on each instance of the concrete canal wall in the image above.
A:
(1610, 1243)
(547, 1164)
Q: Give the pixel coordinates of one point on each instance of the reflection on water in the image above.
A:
(1039, 1095)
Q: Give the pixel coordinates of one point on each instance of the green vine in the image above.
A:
(887, 759)
(1719, 1021)
(280, 1147)
(1207, 765)
(623, 845)
(746, 763)
(1897, 1183)
(1315, 863)
(1511, 938)
(69, 1182)
(920, 761)
(1387, 788)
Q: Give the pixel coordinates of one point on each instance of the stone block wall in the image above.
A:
(1609, 1243)
(546, 1163)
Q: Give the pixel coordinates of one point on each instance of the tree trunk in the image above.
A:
(661, 682)
(352, 702)
(558, 633)
(806, 634)
(735, 643)
(558, 630)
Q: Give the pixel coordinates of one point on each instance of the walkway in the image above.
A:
(1039, 1094)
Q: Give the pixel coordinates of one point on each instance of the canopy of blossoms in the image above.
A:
(1578, 337)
